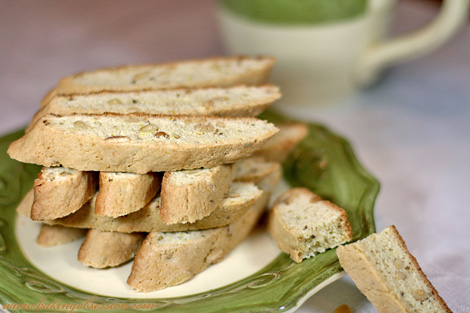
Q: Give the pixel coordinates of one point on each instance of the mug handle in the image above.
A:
(451, 16)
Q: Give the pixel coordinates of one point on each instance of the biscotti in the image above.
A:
(239, 198)
(388, 275)
(188, 196)
(230, 101)
(54, 235)
(60, 191)
(303, 224)
(281, 145)
(168, 259)
(140, 143)
(124, 193)
(190, 121)
(102, 249)
(217, 71)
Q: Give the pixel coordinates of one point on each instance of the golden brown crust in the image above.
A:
(55, 235)
(121, 194)
(60, 197)
(102, 249)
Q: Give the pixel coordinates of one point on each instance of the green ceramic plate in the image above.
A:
(323, 162)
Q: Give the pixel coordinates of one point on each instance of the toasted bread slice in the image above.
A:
(60, 191)
(303, 224)
(168, 259)
(140, 143)
(124, 193)
(388, 275)
(102, 249)
(281, 145)
(217, 71)
(229, 101)
(55, 235)
(188, 196)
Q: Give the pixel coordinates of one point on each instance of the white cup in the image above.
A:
(324, 64)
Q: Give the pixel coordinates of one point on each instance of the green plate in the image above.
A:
(322, 162)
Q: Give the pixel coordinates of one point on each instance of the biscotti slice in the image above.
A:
(281, 145)
(388, 275)
(303, 224)
(237, 201)
(230, 101)
(102, 249)
(60, 191)
(140, 143)
(124, 193)
(54, 235)
(218, 71)
(168, 259)
(190, 195)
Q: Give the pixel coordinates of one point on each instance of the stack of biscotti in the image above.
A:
(156, 152)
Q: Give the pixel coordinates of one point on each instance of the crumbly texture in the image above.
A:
(237, 201)
(102, 249)
(303, 224)
(55, 235)
(231, 101)
(390, 277)
(140, 143)
(61, 191)
(188, 196)
(168, 259)
(124, 193)
(281, 145)
(220, 71)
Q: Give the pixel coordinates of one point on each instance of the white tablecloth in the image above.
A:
(412, 130)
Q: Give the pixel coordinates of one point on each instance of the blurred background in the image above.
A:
(411, 129)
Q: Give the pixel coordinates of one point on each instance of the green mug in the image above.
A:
(296, 12)
(326, 50)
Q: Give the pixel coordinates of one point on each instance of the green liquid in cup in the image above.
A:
(296, 11)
